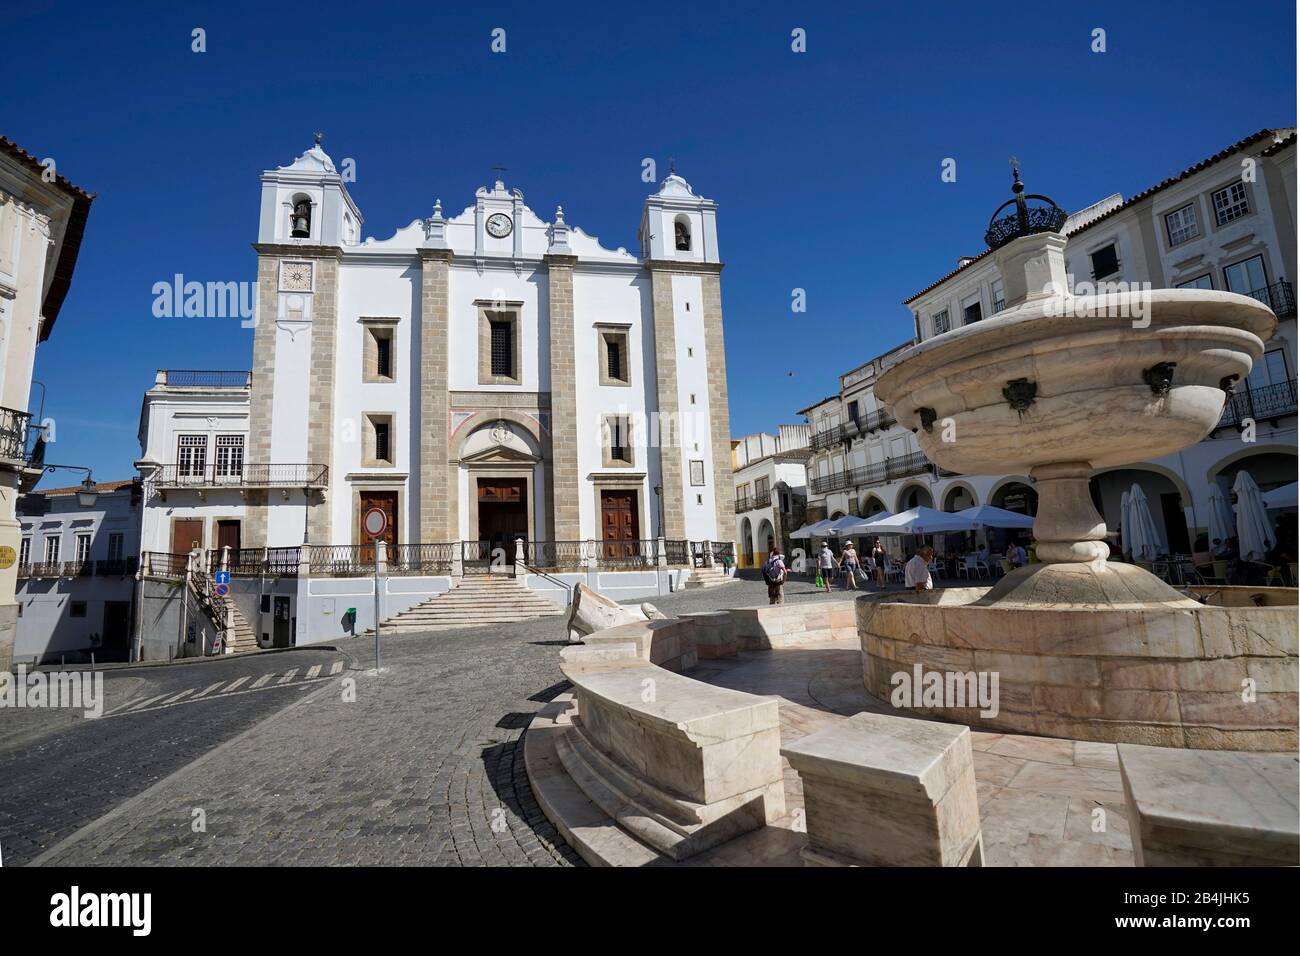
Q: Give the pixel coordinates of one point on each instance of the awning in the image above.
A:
(988, 516)
(922, 520)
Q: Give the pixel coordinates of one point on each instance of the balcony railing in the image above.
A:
(203, 378)
(418, 559)
(876, 421)
(677, 551)
(750, 502)
(1280, 297)
(240, 476)
(107, 567)
(876, 473)
(14, 428)
(1267, 402)
(165, 564)
(555, 555)
(828, 437)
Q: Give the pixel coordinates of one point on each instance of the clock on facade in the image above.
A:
(499, 225)
(295, 276)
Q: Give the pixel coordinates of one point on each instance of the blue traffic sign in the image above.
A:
(222, 590)
(222, 577)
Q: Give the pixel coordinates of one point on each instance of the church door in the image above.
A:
(620, 529)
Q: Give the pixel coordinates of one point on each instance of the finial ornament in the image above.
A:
(1025, 219)
(559, 215)
(499, 171)
(437, 207)
(319, 136)
(672, 166)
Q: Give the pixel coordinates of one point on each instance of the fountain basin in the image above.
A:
(1092, 399)
(1201, 676)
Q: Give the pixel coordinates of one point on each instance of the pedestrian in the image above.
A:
(774, 573)
(1017, 556)
(917, 573)
(825, 564)
(879, 557)
(849, 562)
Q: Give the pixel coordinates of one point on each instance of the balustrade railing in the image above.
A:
(555, 555)
(413, 559)
(677, 551)
(14, 427)
(1267, 401)
(247, 475)
(627, 554)
(1280, 297)
(165, 564)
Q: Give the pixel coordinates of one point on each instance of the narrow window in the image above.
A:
(615, 356)
(503, 351)
(384, 355)
(972, 314)
(115, 542)
(52, 543)
(83, 548)
(697, 472)
(382, 440)
(682, 234)
(25, 551)
(940, 322)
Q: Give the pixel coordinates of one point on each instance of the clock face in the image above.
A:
(499, 225)
(296, 276)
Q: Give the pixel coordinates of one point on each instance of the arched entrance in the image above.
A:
(746, 544)
(958, 497)
(1269, 469)
(1015, 495)
(871, 505)
(1165, 500)
(765, 531)
(914, 496)
(503, 460)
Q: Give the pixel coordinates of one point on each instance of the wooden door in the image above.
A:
(228, 536)
(619, 526)
(187, 534)
(386, 501)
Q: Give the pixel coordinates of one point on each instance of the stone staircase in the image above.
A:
(476, 600)
(241, 637)
(707, 578)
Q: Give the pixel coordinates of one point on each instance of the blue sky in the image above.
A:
(825, 164)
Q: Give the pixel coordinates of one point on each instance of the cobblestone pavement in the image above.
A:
(59, 770)
(424, 766)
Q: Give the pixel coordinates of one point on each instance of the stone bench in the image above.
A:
(666, 643)
(680, 765)
(889, 791)
(1211, 807)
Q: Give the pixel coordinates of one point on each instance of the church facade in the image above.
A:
(483, 376)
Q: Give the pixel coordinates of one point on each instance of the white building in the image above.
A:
(481, 377)
(770, 477)
(1227, 222)
(42, 219)
(76, 573)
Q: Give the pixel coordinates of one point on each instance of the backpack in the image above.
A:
(770, 573)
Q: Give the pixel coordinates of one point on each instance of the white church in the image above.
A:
(479, 377)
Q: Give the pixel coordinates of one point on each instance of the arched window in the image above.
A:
(682, 233)
(300, 218)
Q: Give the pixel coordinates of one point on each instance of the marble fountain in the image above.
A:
(1056, 386)
(771, 736)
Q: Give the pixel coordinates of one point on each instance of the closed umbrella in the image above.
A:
(1222, 520)
(988, 516)
(1143, 536)
(1125, 524)
(1255, 536)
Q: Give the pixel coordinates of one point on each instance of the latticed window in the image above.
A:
(619, 448)
(503, 351)
(384, 356)
(83, 548)
(941, 322)
(1181, 225)
(383, 441)
(25, 551)
(1230, 203)
(230, 456)
(191, 455)
(52, 544)
(614, 355)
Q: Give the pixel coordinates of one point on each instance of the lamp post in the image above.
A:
(659, 498)
(88, 492)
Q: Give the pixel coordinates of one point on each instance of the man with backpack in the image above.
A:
(774, 573)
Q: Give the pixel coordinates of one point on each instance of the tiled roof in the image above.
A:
(103, 487)
(72, 235)
(1288, 136)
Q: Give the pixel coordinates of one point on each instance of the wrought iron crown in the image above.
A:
(1025, 219)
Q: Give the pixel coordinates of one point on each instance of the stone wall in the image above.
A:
(1210, 677)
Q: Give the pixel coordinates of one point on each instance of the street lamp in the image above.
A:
(659, 498)
(87, 492)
